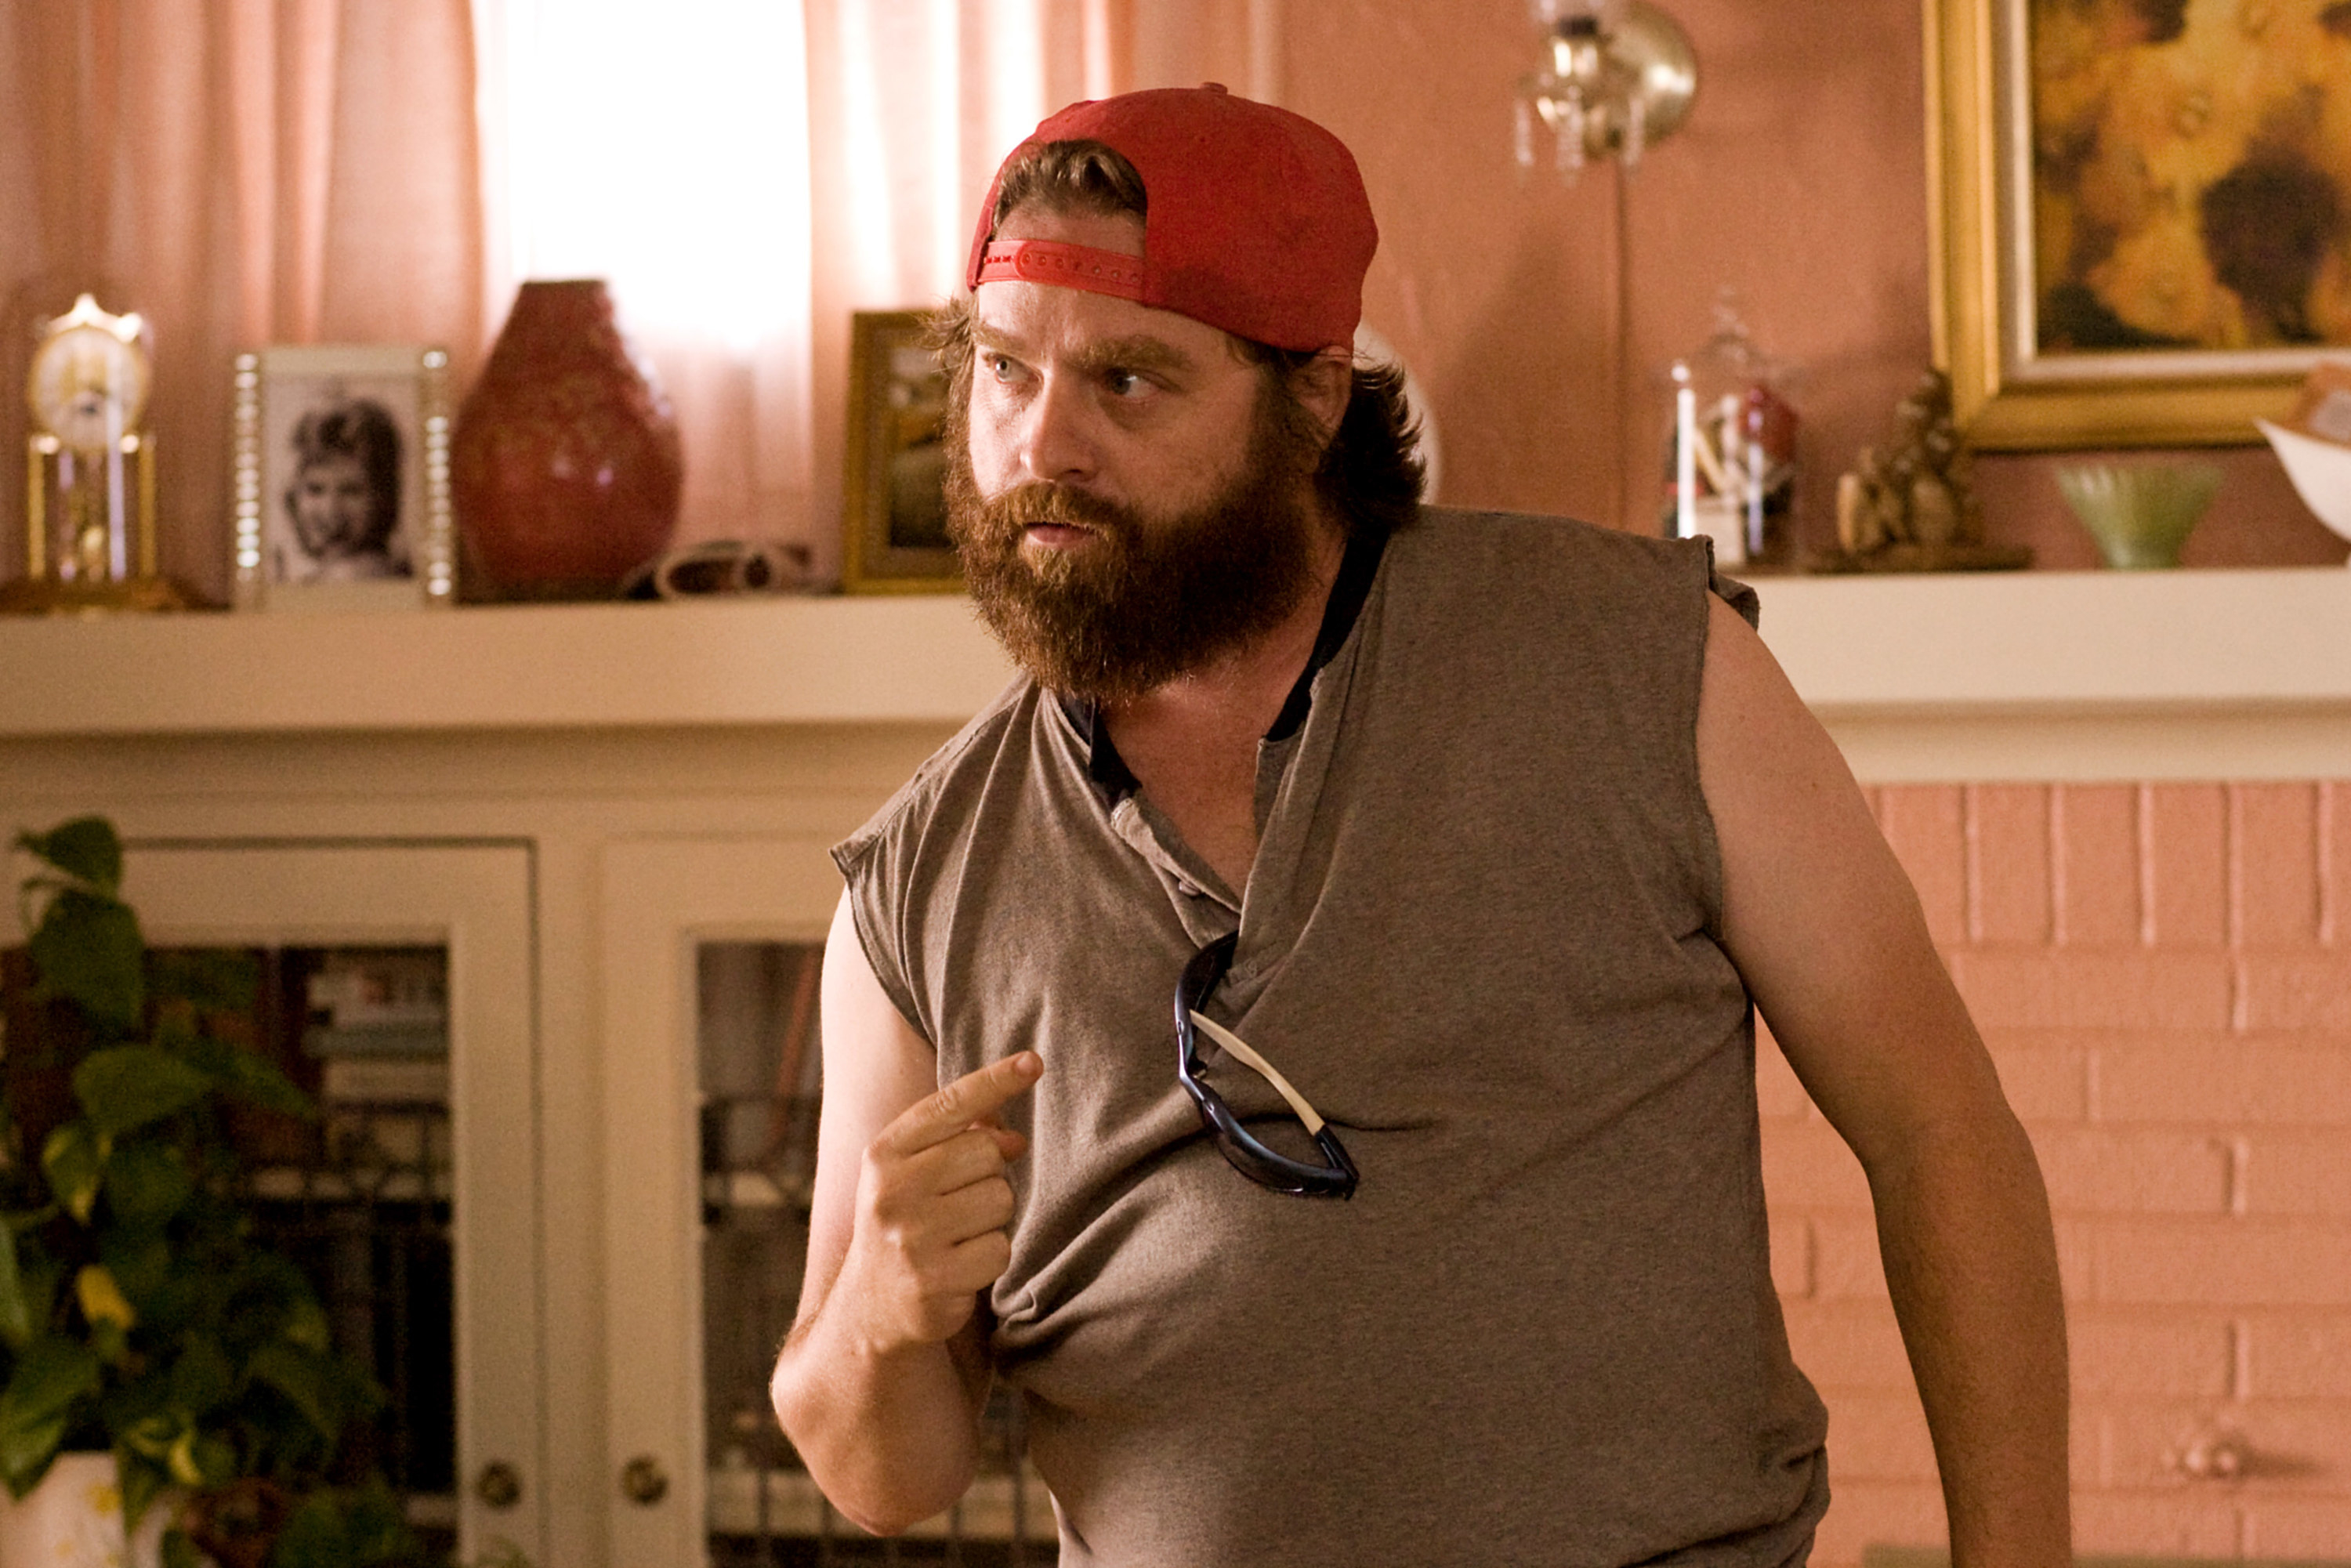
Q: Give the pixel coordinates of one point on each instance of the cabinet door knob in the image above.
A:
(643, 1481)
(499, 1484)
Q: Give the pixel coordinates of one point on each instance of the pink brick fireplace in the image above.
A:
(2163, 974)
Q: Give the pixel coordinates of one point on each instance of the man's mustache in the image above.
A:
(1052, 506)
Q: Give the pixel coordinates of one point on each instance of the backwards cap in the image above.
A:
(1257, 220)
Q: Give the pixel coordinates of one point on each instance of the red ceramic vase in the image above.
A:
(564, 467)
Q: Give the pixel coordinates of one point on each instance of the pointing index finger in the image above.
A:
(973, 1097)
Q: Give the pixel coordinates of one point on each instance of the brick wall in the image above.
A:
(2163, 974)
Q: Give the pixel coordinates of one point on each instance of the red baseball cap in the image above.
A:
(1257, 219)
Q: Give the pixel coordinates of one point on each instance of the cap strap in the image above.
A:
(1070, 265)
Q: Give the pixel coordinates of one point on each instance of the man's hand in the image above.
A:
(881, 1382)
(933, 1202)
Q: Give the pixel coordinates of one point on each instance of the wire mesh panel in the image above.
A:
(361, 1198)
(760, 1085)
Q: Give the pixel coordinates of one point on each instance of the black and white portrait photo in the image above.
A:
(337, 497)
(336, 480)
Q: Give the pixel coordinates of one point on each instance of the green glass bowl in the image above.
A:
(2139, 512)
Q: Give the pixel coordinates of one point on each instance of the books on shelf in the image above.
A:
(378, 1003)
(385, 1081)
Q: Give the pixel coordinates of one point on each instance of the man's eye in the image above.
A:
(1000, 366)
(1125, 383)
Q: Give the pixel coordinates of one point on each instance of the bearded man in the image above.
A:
(1300, 1036)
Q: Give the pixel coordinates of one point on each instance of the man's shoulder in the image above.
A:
(1496, 557)
(953, 773)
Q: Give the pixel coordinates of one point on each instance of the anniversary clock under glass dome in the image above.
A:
(89, 496)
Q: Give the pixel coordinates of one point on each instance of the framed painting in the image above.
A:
(2142, 213)
(340, 478)
(893, 504)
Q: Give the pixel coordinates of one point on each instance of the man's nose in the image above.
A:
(1057, 445)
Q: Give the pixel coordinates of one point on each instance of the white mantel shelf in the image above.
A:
(2232, 674)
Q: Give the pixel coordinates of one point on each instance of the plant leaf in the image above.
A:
(140, 1263)
(212, 979)
(146, 1184)
(298, 1375)
(314, 1537)
(112, 1342)
(53, 1372)
(75, 1158)
(16, 1312)
(307, 1325)
(202, 1379)
(181, 1460)
(40, 1277)
(38, 1404)
(101, 1298)
(128, 1086)
(152, 1436)
(244, 1073)
(142, 1481)
(87, 849)
(215, 1460)
(377, 1526)
(251, 1078)
(28, 1444)
(179, 1551)
(87, 949)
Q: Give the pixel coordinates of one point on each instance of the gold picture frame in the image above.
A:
(1996, 173)
(893, 512)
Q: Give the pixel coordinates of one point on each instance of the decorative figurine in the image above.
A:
(1730, 465)
(1912, 509)
(90, 500)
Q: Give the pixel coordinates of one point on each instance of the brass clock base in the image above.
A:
(47, 596)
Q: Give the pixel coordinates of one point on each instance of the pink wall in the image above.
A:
(1800, 179)
(2163, 974)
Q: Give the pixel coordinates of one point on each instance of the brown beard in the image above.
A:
(1149, 599)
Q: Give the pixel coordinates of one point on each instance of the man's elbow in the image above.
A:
(1982, 1153)
(890, 1504)
(855, 1473)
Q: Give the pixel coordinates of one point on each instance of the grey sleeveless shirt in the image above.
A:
(1481, 936)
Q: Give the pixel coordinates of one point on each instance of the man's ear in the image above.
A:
(1322, 386)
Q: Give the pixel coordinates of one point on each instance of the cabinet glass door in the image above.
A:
(715, 951)
(397, 987)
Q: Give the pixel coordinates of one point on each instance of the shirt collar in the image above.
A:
(1357, 566)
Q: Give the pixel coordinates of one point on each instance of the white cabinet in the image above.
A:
(575, 801)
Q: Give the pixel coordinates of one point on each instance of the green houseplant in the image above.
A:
(140, 1309)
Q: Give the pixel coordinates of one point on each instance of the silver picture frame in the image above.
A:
(339, 479)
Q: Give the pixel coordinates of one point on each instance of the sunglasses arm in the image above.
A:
(1248, 1057)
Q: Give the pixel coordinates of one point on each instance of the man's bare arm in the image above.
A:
(880, 1383)
(1827, 933)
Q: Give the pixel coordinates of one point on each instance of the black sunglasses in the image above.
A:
(1333, 1178)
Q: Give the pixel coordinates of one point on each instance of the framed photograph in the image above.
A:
(341, 479)
(893, 508)
(2142, 213)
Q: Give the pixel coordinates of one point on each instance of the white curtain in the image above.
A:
(746, 174)
(240, 173)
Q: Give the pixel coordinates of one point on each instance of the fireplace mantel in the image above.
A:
(2235, 673)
